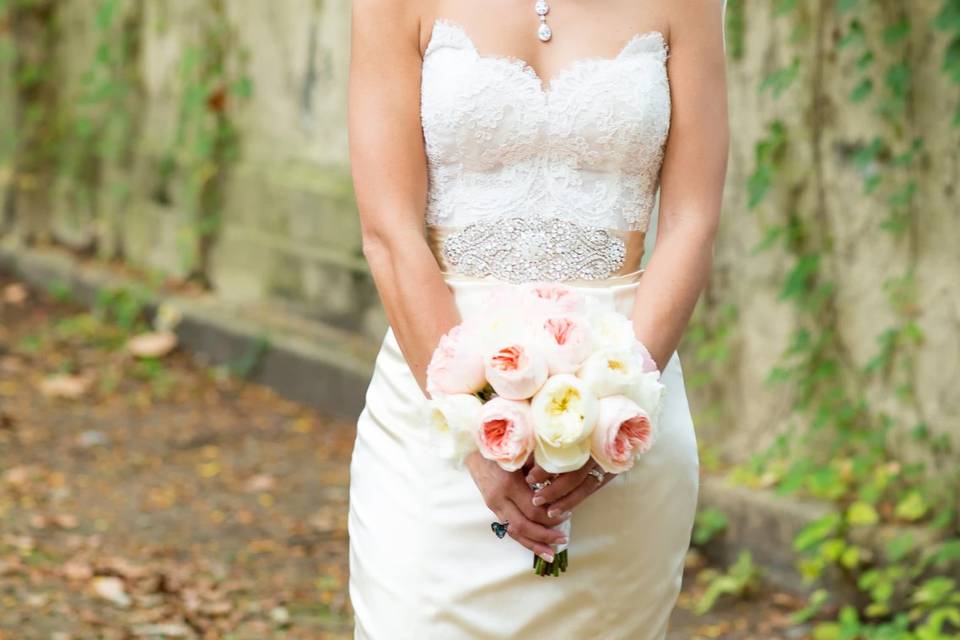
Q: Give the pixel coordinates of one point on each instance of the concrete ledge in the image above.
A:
(765, 524)
(320, 366)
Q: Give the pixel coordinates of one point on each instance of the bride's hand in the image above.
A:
(511, 500)
(566, 490)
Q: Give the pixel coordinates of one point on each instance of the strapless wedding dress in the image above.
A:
(526, 182)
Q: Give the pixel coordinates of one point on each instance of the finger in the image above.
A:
(541, 550)
(564, 505)
(538, 474)
(560, 486)
(521, 527)
(522, 496)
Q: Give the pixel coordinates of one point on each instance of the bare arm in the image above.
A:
(389, 175)
(691, 179)
(691, 187)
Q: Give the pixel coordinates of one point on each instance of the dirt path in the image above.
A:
(162, 498)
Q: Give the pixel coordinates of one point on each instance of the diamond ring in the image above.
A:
(598, 474)
(536, 486)
(499, 528)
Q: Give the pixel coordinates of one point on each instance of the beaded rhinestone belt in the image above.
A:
(535, 248)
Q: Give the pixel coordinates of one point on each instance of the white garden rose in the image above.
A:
(649, 393)
(611, 330)
(564, 414)
(612, 371)
(454, 420)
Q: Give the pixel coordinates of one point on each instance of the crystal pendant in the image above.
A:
(544, 32)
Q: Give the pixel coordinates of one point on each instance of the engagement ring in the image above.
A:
(536, 486)
(598, 474)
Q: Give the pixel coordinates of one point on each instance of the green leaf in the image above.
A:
(896, 32)
(862, 91)
(911, 507)
(862, 514)
(855, 34)
(780, 80)
(816, 532)
(898, 548)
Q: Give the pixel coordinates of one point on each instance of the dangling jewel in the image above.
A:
(542, 9)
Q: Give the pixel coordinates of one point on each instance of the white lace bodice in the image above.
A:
(587, 148)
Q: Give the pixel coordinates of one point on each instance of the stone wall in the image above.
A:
(822, 180)
(286, 232)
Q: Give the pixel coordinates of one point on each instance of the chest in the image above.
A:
(597, 112)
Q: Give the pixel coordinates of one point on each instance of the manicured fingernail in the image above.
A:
(548, 557)
(565, 515)
(530, 478)
(553, 513)
(538, 500)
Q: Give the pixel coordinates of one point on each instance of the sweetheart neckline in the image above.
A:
(546, 88)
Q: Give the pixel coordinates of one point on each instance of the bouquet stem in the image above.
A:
(543, 568)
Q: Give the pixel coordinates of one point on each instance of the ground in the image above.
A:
(160, 497)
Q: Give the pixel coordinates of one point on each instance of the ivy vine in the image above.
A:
(839, 446)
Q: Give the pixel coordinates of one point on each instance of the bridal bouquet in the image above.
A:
(544, 372)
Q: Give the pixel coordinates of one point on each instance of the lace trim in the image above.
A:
(588, 147)
(446, 31)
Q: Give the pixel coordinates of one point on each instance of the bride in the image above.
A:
(523, 120)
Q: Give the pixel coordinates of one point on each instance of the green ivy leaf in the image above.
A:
(896, 32)
(862, 91)
(912, 507)
(816, 532)
(862, 514)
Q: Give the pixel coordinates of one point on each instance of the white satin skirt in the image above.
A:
(425, 564)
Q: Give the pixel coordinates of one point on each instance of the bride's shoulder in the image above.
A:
(399, 22)
(694, 19)
(406, 11)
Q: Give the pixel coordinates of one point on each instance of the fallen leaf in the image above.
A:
(169, 630)
(15, 294)
(152, 345)
(79, 571)
(65, 521)
(261, 482)
(68, 387)
(112, 590)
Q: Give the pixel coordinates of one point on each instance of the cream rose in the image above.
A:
(649, 393)
(454, 420)
(623, 432)
(457, 363)
(515, 370)
(564, 414)
(505, 433)
(612, 330)
(612, 371)
(566, 343)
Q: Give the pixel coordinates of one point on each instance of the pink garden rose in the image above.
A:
(566, 343)
(623, 431)
(506, 432)
(457, 363)
(557, 298)
(515, 371)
